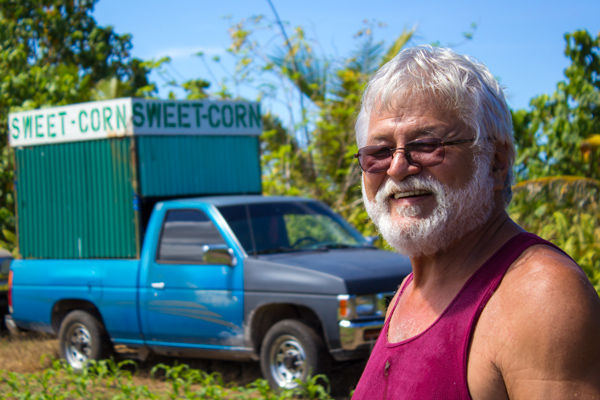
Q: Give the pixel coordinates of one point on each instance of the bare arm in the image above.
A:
(550, 344)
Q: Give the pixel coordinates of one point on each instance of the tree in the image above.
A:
(558, 164)
(312, 153)
(338, 176)
(550, 135)
(52, 53)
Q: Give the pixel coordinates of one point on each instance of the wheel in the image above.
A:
(292, 350)
(82, 338)
(304, 239)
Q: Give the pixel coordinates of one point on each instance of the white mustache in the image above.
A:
(410, 184)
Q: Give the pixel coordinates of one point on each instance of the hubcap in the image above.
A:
(288, 361)
(78, 346)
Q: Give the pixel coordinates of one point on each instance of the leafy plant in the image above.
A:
(558, 156)
(312, 388)
(54, 53)
(108, 379)
(565, 211)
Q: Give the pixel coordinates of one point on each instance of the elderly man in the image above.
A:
(490, 311)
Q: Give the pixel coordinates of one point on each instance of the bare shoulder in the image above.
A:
(546, 282)
(548, 274)
(546, 316)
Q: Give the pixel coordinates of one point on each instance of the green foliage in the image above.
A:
(196, 89)
(7, 201)
(313, 389)
(550, 135)
(107, 379)
(312, 155)
(563, 210)
(53, 53)
(557, 162)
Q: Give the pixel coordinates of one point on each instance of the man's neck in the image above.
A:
(454, 265)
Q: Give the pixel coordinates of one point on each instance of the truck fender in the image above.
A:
(262, 318)
(65, 306)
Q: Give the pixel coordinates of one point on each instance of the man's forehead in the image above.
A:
(421, 118)
(412, 103)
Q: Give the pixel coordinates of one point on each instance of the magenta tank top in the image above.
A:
(433, 364)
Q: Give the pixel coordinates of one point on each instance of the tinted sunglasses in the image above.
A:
(421, 153)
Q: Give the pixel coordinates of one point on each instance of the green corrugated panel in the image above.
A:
(198, 165)
(75, 200)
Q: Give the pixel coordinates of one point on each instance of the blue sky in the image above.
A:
(522, 42)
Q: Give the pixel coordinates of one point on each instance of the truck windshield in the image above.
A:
(279, 227)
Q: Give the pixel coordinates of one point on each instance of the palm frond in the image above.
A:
(591, 143)
(366, 59)
(398, 44)
(306, 71)
(576, 191)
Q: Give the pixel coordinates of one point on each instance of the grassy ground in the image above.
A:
(22, 354)
(29, 369)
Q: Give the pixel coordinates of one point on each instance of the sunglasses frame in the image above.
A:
(409, 159)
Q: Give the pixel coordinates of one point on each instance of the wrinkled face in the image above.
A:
(422, 210)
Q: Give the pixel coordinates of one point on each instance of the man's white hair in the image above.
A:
(452, 82)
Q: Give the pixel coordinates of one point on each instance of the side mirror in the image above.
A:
(219, 254)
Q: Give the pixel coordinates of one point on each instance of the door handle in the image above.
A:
(158, 285)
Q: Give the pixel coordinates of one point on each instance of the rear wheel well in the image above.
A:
(268, 315)
(64, 307)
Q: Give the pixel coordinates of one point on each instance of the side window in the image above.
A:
(183, 234)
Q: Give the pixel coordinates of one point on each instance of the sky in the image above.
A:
(521, 42)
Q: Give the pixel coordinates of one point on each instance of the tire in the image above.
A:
(82, 338)
(292, 350)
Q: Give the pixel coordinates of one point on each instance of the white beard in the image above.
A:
(458, 211)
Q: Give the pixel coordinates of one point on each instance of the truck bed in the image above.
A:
(110, 285)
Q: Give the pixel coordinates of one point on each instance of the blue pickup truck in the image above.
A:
(284, 281)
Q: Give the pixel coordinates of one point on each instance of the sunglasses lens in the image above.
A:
(425, 153)
(375, 158)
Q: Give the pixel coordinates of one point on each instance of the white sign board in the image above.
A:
(128, 117)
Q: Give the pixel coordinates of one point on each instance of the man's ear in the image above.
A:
(500, 166)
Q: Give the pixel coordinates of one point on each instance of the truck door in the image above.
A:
(185, 301)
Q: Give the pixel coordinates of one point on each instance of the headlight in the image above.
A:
(370, 305)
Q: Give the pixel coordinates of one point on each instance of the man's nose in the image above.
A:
(400, 168)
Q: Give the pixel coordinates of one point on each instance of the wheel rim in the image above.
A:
(287, 361)
(78, 346)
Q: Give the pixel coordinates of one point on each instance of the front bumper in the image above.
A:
(359, 334)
